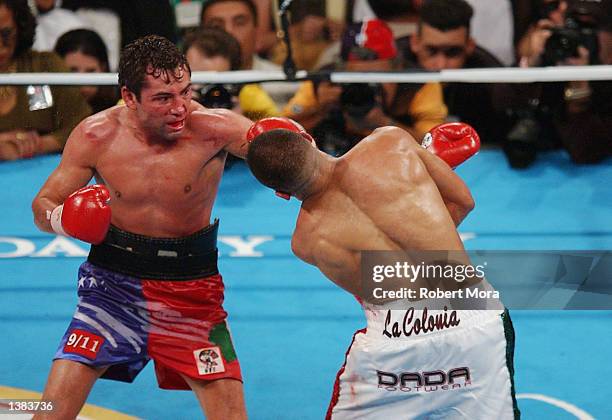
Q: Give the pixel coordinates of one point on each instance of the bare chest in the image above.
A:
(139, 174)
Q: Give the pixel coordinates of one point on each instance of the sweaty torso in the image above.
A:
(380, 198)
(162, 190)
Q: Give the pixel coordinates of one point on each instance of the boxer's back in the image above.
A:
(381, 197)
(156, 190)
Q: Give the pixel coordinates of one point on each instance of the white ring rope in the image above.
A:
(489, 75)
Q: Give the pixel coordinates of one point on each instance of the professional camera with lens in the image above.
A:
(579, 29)
(216, 96)
(359, 99)
(533, 130)
(521, 146)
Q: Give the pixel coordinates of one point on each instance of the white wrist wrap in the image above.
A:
(56, 220)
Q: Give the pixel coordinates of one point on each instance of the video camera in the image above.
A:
(359, 99)
(579, 29)
(218, 96)
(533, 129)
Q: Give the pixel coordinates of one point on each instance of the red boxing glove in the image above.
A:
(276, 123)
(85, 214)
(454, 142)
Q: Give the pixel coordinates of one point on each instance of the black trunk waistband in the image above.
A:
(184, 258)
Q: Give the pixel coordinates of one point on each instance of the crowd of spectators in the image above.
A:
(35, 119)
(326, 35)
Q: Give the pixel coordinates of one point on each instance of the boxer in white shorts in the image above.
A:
(389, 193)
(460, 369)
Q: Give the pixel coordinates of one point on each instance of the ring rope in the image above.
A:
(485, 75)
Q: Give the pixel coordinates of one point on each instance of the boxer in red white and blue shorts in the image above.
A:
(150, 288)
(135, 305)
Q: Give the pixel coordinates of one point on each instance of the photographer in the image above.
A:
(585, 123)
(576, 115)
(551, 15)
(213, 49)
(340, 115)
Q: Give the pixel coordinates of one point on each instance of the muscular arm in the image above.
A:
(237, 128)
(74, 171)
(454, 192)
(229, 127)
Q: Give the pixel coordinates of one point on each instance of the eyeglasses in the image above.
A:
(7, 34)
(452, 51)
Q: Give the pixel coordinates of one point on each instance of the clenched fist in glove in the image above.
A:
(85, 214)
(453, 142)
(276, 123)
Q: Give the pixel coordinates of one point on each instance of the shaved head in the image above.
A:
(282, 160)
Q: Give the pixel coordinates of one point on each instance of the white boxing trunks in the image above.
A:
(415, 363)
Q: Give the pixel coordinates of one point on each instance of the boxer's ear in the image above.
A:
(128, 97)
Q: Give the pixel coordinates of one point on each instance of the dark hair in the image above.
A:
(595, 13)
(391, 9)
(25, 23)
(446, 15)
(150, 55)
(278, 158)
(248, 3)
(85, 41)
(300, 9)
(215, 42)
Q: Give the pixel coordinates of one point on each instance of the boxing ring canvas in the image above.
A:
(290, 325)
